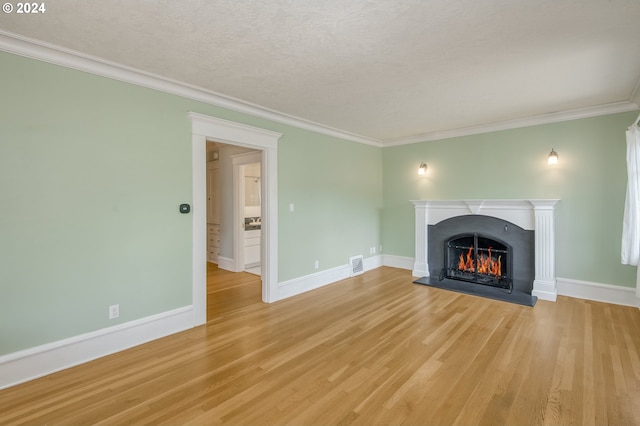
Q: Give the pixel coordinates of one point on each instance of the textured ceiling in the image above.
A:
(386, 70)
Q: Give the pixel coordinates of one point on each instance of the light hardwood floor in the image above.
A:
(374, 349)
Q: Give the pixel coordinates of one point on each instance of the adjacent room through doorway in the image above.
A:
(234, 222)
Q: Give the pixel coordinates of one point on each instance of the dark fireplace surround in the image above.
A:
(469, 239)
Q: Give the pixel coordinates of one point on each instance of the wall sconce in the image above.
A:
(422, 169)
(553, 157)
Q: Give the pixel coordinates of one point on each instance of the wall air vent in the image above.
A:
(357, 265)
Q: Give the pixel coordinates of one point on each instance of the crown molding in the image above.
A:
(46, 52)
(554, 117)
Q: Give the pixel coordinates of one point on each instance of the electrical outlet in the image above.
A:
(317, 264)
(373, 250)
(114, 311)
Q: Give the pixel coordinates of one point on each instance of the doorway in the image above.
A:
(247, 224)
(234, 219)
(204, 127)
(251, 215)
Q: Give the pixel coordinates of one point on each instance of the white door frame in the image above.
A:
(205, 127)
(238, 161)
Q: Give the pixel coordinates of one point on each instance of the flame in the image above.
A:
(466, 265)
(487, 264)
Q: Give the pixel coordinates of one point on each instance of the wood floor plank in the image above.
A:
(372, 349)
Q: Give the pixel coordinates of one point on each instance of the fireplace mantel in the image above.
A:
(531, 214)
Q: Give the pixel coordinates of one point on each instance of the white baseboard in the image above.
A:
(312, 281)
(227, 264)
(372, 262)
(398, 261)
(598, 292)
(545, 290)
(29, 364)
(309, 282)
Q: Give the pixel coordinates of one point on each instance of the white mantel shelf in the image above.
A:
(531, 214)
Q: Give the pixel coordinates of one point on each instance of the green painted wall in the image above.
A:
(90, 182)
(91, 175)
(590, 179)
(335, 187)
(92, 172)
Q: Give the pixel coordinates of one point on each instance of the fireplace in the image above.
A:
(481, 251)
(478, 259)
(520, 233)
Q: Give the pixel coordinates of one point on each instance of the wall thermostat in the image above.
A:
(185, 208)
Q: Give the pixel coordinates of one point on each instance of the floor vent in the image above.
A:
(357, 265)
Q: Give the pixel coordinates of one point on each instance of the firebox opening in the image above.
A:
(477, 259)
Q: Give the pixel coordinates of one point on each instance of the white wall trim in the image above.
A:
(203, 128)
(401, 262)
(50, 53)
(372, 262)
(554, 117)
(39, 361)
(227, 264)
(32, 363)
(598, 292)
(46, 52)
(309, 282)
(607, 293)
